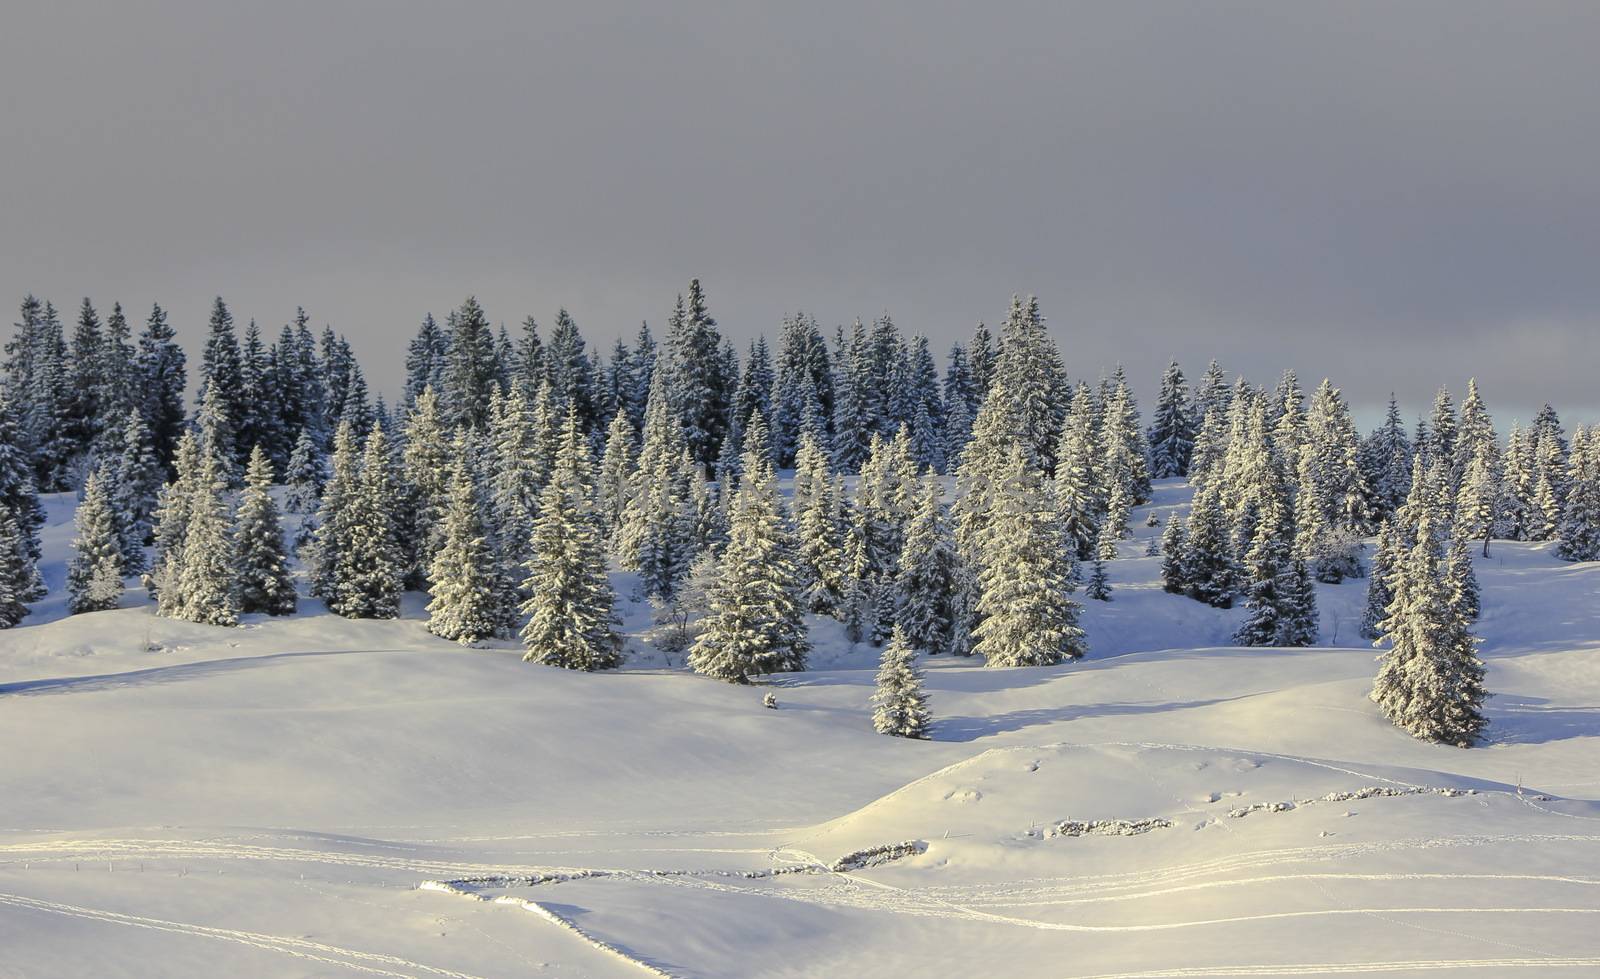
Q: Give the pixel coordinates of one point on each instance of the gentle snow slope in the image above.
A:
(178, 800)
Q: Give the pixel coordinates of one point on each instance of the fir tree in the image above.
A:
(94, 577)
(1301, 623)
(118, 380)
(1268, 567)
(820, 559)
(427, 359)
(82, 405)
(222, 381)
(133, 482)
(1430, 682)
(202, 579)
(1380, 591)
(173, 510)
(960, 405)
(899, 700)
(1174, 543)
(470, 368)
(307, 473)
(1028, 620)
(571, 373)
(755, 623)
(1462, 580)
(616, 472)
(702, 387)
(854, 422)
(1099, 586)
(1115, 525)
(18, 575)
(571, 623)
(1386, 465)
(656, 535)
(261, 567)
(463, 576)
(1440, 445)
(1580, 520)
(925, 588)
(1078, 486)
(1172, 427)
(1208, 566)
(361, 564)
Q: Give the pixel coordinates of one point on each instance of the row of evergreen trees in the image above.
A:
(484, 488)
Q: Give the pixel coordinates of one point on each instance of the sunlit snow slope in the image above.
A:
(319, 797)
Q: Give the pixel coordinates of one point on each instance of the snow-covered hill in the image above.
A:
(315, 796)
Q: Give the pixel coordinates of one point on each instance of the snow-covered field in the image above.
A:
(320, 797)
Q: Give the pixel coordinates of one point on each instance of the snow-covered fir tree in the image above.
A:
(820, 559)
(173, 509)
(1172, 426)
(858, 608)
(1114, 527)
(755, 623)
(18, 574)
(524, 437)
(571, 623)
(133, 482)
(463, 574)
(1210, 568)
(1386, 464)
(1268, 566)
(1462, 580)
(1380, 592)
(470, 368)
(1174, 543)
(656, 534)
(1027, 617)
(900, 698)
(1123, 443)
(368, 566)
(615, 480)
(1079, 493)
(1580, 520)
(886, 499)
(261, 565)
(199, 578)
(162, 378)
(1430, 682)
(1099, 584)
(94, 576)
(927, 581)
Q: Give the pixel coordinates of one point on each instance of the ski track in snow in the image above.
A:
(374, 963)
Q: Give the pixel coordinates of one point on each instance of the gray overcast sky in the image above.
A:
(1393, 194)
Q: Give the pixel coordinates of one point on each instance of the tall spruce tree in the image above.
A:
(1430, 682)
(94, 576)
(927, 581)
(571, 623)
(260, 563)
(1580, 520)
(201, 579)
(656, 536)
(820, 559)
(1028, 618)
(1386, 464)
(463, 576)
(755, 624)
(1172, 427)
(18, 575)
(133, 483)
(471, 369)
